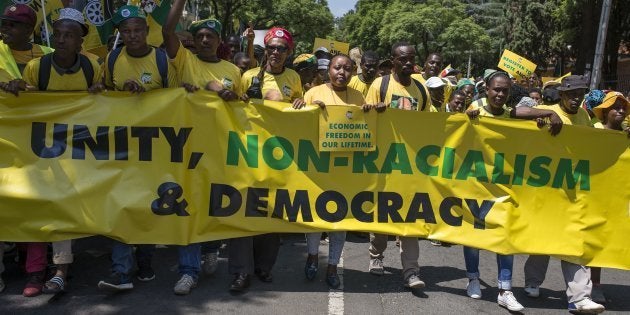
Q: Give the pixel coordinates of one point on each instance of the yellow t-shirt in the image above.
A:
(61, 82)
(5, 76)
(144, 70)
(448, 90)
(22, 57)
(331, 97)
(357, 84)
(193, 70)
(287, 83)
(481, 104)
(581, 118)
(398, 95)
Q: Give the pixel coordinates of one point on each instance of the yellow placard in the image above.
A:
(346, 128)
(546, 80)
(516, 65)
(171, 167)
(334, 47)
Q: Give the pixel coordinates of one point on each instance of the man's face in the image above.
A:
(133, 33)
(437, 95)
(67, 38)
(433, 65)
(207, 40)
(571, 100)
(15, 33)
(277, 50)
(369, 69)
(457, 103)
(404, 59)
(498, 91)
(243, 63)
(234, 43)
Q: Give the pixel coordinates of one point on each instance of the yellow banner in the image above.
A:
(172, 167)
(516, 65)
(347, 128)
(334, 47)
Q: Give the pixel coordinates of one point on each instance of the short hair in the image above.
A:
(457, 93)
(240, 55)
(433, 54)
(495, 75)
(398, 45)
(339, 55)
(535, 90)
(369, 55)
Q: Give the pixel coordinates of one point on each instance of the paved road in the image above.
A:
(362, 293)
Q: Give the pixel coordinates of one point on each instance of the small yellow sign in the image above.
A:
(334, 47)
(344, 128)
(516, 65)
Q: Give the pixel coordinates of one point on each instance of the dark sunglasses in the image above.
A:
(280, 49)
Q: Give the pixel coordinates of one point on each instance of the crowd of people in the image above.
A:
(203, 60)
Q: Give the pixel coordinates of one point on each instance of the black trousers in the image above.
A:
(253, 252)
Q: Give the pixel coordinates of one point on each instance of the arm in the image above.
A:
(250, 45)
(171, 41)
(524, 112)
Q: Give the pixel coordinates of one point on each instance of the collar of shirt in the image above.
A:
(74, 69)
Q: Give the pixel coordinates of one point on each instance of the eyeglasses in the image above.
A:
(280, 49)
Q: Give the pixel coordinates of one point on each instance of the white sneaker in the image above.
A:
(184, 285)
(414, 282)
(209, 263)
(473, 289)
(532, 291)
(376, 267)
(586, 306)
(507, 300)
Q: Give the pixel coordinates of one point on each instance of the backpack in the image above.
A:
(385, 83)
(161, 60)
(45, 64)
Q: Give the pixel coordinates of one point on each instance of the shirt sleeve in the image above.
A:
(374, 93)
(30, 73)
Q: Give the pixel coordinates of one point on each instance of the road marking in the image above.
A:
(335, 296)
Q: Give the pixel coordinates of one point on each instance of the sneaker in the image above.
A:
(376, 267)
(597, 294)
(34, 284)
(473, 289)
(507, 300)
(145, 273)
(414, 282)
(532, 291)
(209, 263)
(184, 285)
(436, 243)
(586, 306)
(117, 282)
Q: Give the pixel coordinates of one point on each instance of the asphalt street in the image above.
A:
(290, 293)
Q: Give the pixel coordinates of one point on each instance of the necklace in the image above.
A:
(343, 100)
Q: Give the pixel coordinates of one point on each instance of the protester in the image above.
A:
(399, 90)
(306, 66)
(593, 99)
(612, 113)
(468, 87)
(385, 67)
(233, 42)
(136, 67)
(536, 95)
(436, 87)
(242, 61)
(576, 277)
(322, 71)
(369, 71)
(272, 80)
(457, 103)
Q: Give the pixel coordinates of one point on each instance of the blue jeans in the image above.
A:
(122, 257)
(335, 246)
(190, 260)
(504, 266)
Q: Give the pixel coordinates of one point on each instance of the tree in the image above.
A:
(464, 37)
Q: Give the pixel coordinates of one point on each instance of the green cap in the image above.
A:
(207, 23)
(127, 12)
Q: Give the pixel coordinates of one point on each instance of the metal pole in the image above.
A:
(601, 43)
(469, 62)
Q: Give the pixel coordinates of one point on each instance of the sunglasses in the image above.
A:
(280, 49)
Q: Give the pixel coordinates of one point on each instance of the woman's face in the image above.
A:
(617, 113)
(340, 71)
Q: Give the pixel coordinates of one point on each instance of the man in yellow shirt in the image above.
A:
(399, 90)
(16, 49)
(369, 70)
(136, 67)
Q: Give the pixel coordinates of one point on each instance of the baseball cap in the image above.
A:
(127, 12)
(211, 24)
(19, 13)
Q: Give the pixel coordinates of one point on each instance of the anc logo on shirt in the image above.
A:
(286, 90)
(227, 83)
(145, 78)
(404, 102)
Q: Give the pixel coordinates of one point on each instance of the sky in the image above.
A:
(340, 7)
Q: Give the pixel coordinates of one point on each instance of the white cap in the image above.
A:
(322, 64)
(434, 82)
(322, 48)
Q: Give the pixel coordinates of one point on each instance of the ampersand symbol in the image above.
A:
(167, 203)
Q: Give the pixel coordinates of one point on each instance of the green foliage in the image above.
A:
(458, 44)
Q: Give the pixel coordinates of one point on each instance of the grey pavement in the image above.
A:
(290, 293)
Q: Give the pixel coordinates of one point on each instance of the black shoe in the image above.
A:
(116, 282)
(333, 280)
(145, 273)
(264, 276)
(240, 282)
